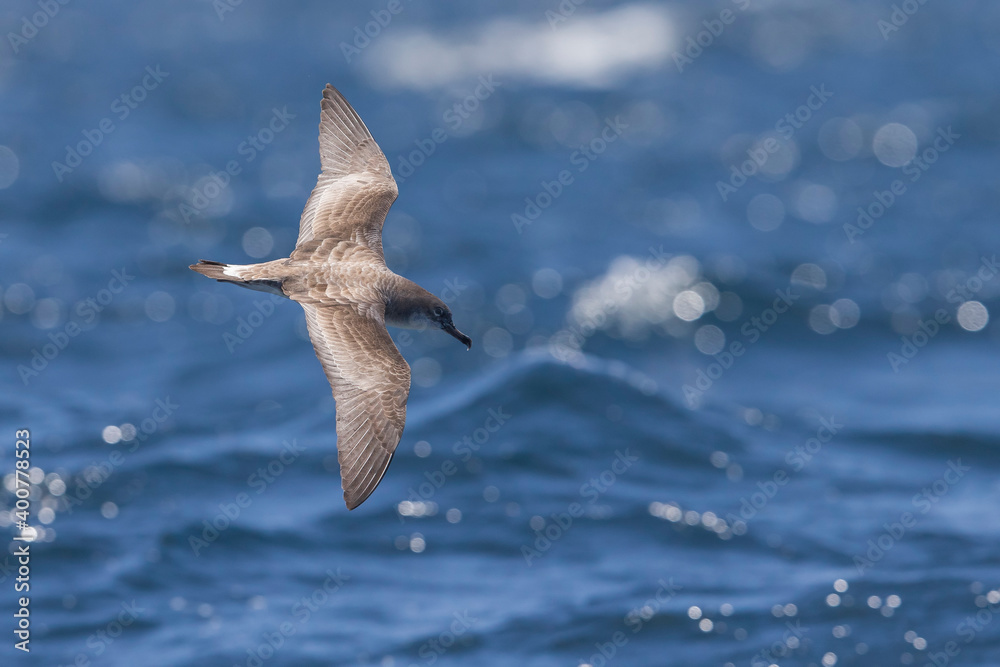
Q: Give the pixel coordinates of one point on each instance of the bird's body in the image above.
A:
(338, 274)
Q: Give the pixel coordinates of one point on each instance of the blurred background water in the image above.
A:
(729, 268)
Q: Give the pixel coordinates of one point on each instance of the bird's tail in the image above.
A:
(243, 275)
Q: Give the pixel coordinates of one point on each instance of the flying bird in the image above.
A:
(337, 273)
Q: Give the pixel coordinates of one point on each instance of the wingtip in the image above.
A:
(329, 92)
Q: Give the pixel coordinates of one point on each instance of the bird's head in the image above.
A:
(439, 314)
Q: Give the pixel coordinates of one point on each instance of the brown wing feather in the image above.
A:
(370, 382)
(355, 189)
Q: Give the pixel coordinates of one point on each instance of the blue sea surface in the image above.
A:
(731, 273)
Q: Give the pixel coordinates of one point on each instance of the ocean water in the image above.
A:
(730, 270)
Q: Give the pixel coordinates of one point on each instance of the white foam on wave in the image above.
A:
(593, 50)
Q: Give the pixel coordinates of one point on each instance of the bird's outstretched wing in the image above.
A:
(371, 382)
(355, 189)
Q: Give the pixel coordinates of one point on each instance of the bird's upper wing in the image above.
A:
(355, 189)
(371, 382)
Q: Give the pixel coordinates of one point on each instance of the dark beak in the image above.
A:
(450, 328)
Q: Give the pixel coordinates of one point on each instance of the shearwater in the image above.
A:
(337, 272)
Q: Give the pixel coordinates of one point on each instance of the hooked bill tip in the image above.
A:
(465, 340)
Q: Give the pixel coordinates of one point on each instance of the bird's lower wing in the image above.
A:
(370, 382)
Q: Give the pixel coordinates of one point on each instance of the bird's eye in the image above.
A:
(439, 311)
